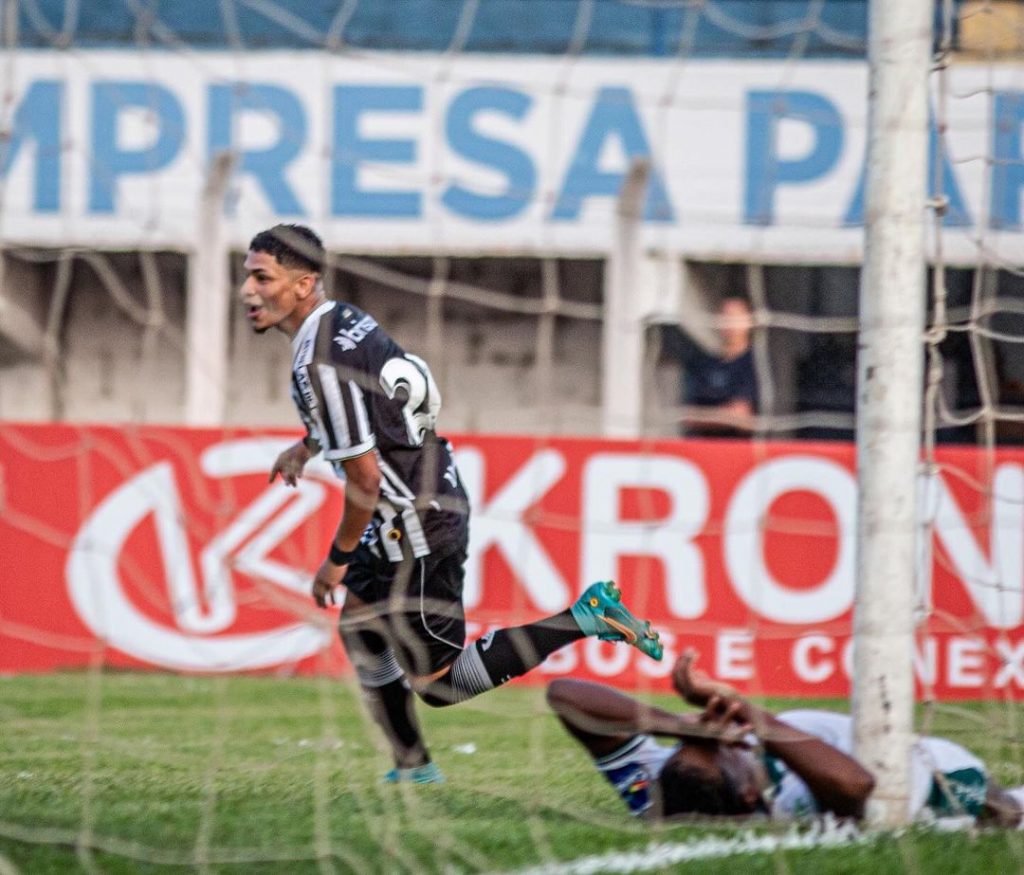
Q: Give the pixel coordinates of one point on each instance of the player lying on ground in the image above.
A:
(736, 758)
(400, 546)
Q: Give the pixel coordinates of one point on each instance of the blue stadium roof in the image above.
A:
(703, 28)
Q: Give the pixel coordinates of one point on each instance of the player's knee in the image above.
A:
(555, 692)
(560, 693)
(362, 638)
(436, 691)
(375, 670)
(463, 679)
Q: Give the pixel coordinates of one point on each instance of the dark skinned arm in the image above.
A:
(836, 780)
(362, 489)
(603, 719)
(1000, 808)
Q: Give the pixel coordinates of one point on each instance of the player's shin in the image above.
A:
(387, 696)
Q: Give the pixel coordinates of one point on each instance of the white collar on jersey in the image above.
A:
(309, 325)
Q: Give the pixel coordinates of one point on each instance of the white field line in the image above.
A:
(825, 835)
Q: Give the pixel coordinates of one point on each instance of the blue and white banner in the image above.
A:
(464, 154)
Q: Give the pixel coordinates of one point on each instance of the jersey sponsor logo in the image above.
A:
(205, 626)
(305, 388)
(305, 352)
(349, 338)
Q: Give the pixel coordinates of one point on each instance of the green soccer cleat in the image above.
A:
(599, 611)
(428, 773)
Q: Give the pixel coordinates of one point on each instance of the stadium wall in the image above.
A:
(399, 156)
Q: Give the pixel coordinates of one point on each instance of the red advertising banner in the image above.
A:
(167, 548)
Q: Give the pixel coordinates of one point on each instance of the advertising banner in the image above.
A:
(167, 548)
(467, 153)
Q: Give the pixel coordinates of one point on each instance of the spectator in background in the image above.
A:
(719, 390)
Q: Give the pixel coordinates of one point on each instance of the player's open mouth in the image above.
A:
(253, 312)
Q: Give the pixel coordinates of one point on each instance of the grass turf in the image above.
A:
(134, 772)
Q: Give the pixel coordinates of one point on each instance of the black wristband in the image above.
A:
(340, 557)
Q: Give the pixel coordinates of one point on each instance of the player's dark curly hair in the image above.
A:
(294, 246)
(690, 789)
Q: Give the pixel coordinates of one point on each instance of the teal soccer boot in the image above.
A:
(599, 611)
(428, 773)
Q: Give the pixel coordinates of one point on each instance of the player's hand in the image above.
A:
(326, 582)
(694, 684)
(728, 719)
(289, 464)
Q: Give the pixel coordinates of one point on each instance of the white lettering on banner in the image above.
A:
(606, 659)
(744, 539)
(966, 662)
(300, 503)
(773, 167)
(847, 658)
(815, 658)
(995, 587)
(1013, 664)
(499, 523)
(606, 537)
(98, 595)
(562, 661)
(814, 661)
(734, 656)
(185, 600)
(926, 661)
(662, 669)
(806, 664)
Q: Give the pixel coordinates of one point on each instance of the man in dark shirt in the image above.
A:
(401, 544)
(720, 395)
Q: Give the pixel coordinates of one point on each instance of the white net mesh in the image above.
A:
(493, 263)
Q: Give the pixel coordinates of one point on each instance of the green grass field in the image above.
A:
(125, 772)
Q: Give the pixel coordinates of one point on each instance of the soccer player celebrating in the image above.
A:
(805, 765)
(400, 546)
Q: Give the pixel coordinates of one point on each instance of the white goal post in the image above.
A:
(889, 397)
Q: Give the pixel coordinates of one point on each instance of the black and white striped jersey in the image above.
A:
(358, 391)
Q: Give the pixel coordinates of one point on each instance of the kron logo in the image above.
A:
(204, 610)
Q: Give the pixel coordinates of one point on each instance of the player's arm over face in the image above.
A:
(836, 780)
(603, 720)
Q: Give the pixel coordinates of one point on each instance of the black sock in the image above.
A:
(387, 695)
(500, 656)
(509, 653)
(392, 707)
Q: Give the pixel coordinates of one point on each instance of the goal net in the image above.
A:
(550, 203)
